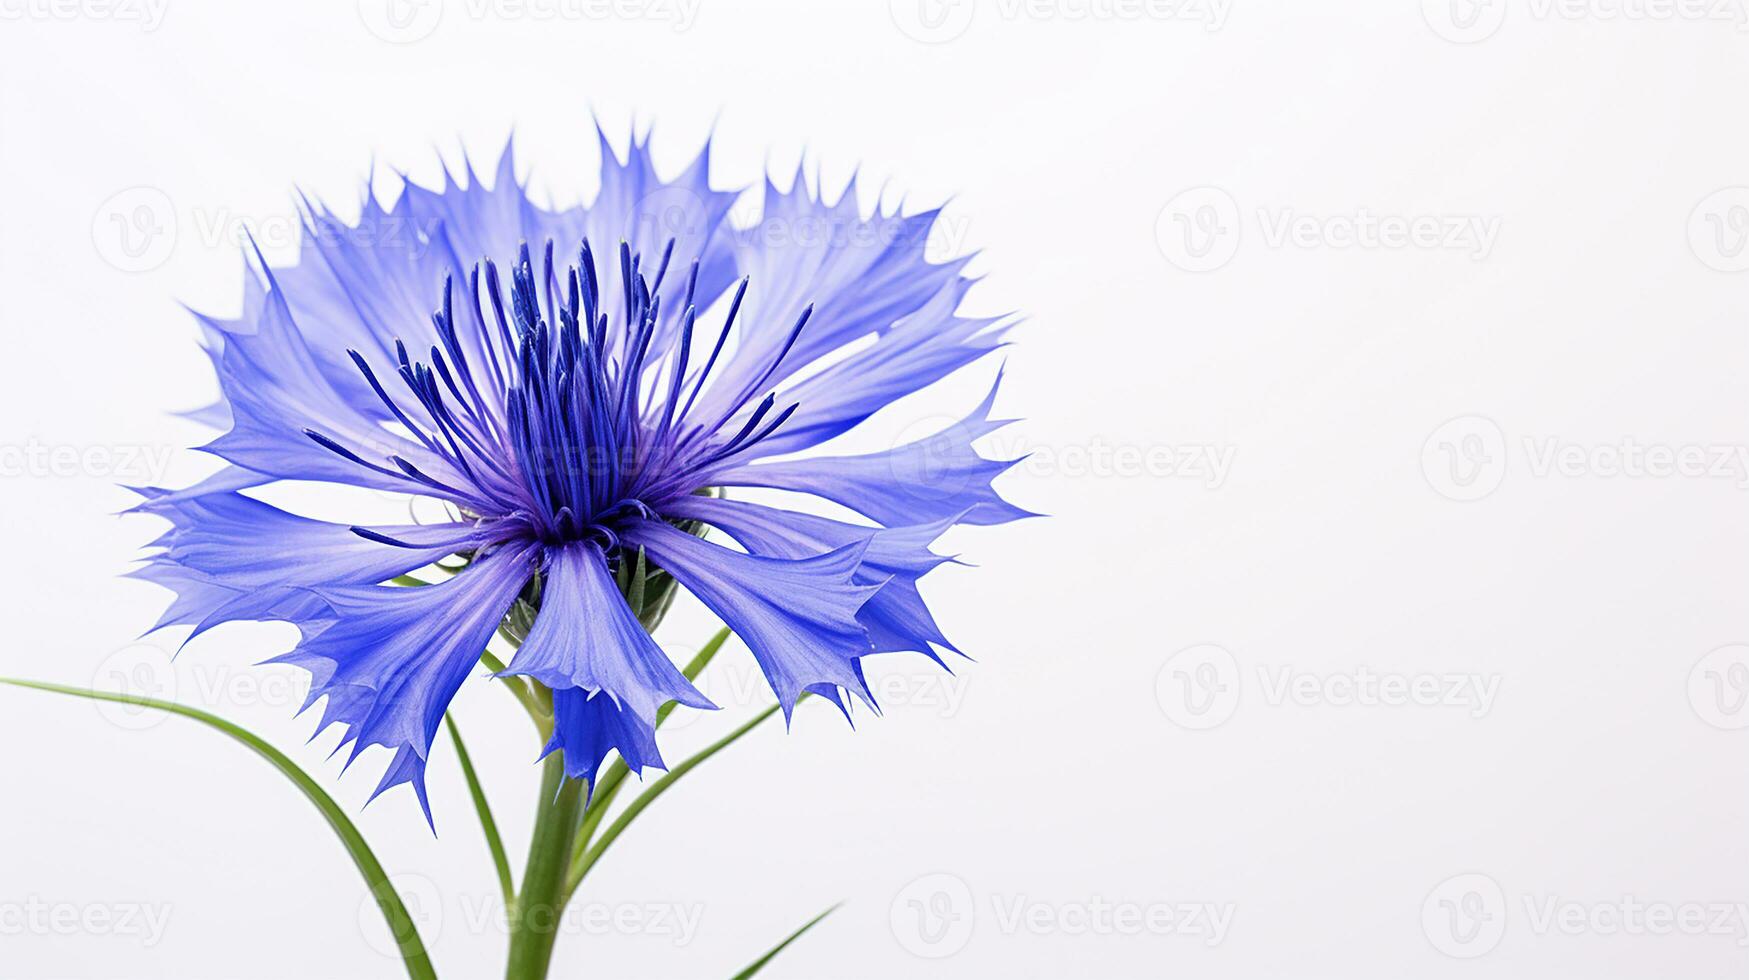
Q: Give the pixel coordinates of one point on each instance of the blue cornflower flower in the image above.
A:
(580, 417)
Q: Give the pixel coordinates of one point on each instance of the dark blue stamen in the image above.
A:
(557, 434)
(381, 538)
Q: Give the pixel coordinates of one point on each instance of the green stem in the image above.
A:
(494, 843)
(534, 920)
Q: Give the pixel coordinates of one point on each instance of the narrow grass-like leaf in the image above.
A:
(759, 964)
(401, 925)
(608, 786)
(695, 667)
(656, 789)
(500, 860)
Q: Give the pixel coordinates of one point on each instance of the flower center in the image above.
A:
(544, 409)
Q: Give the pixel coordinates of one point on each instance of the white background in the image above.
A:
(1079, 774)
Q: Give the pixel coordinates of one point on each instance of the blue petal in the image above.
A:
(276, 390)
(468, 222)
(367, 283)
(204, 601)
(918, 351)
(798, 617)
(391, 659)
(586, 727)
(471, 220)
(896, 617)
(935, 478)
(250, 543)
(861, 275)
(588, 646)
(232, 558)
(227, 479)
(637, 206)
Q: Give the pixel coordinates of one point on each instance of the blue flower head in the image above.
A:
(580, 386)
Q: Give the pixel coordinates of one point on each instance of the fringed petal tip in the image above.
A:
(407, 767)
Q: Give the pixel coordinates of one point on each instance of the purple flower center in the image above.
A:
(568, 422)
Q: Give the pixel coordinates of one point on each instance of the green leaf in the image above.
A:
(401, 925)
(657, 788)
(635, 598)
(759, 964)
(695, 667)
(500, 860)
